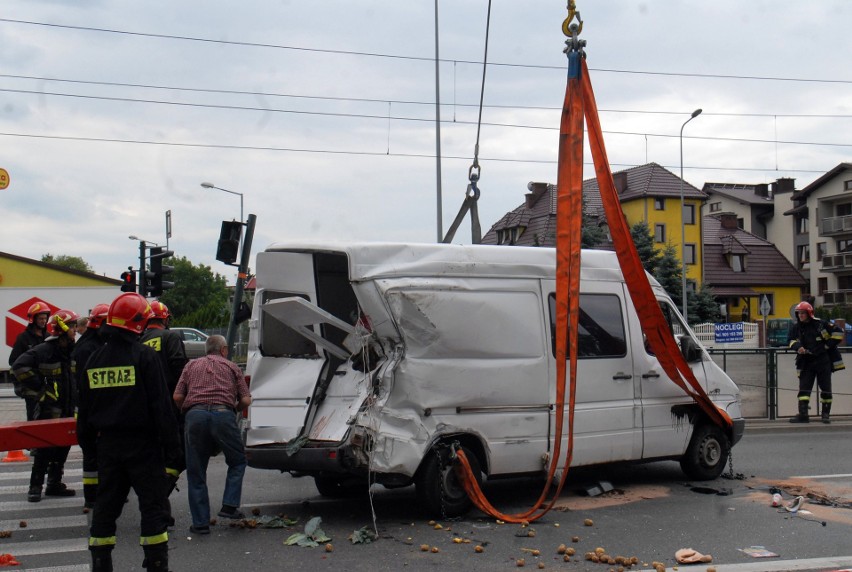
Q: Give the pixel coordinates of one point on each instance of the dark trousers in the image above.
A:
(126, 461)
(816, 369)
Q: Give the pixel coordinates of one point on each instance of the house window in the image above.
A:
(802, 225)
(689, 214)
(844, 282)
(803, 255)
(659, 233)
(821, 250)
(844, 246)
(510, 236)
(689, 254)
(741, 223)
(659, 204)
(844, 209)
(738, 262)
(847, 185)
(822, 285)
(715, 207)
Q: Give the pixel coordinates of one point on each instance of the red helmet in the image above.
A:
(130, 312)
(61, 321)
(161, 311)
(805, 307)
(98, 315)
(36, 309)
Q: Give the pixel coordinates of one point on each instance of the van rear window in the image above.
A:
(601, 326)
(278, 340)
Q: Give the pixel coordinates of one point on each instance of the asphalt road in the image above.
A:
(651, 514)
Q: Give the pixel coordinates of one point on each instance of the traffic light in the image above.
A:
(157, 285)
(128, 280)
(229, 241)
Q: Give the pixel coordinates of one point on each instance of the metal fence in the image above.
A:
(769, 385)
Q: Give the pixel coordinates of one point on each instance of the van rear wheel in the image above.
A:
(439, 488)
(707, 454)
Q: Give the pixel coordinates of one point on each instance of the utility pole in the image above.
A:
(239, 287)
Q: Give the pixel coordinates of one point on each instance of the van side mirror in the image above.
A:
(690, 349)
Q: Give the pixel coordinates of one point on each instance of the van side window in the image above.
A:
(601, 326)
(278, 340)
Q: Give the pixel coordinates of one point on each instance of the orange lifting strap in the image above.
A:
(580, 101)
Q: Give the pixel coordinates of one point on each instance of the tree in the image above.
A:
(702, 306)
(669, 273)
(199, 298)
(644, 241)
(72, 262)
(592, 233)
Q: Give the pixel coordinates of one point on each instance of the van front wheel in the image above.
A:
(707, 454)
(439, 488)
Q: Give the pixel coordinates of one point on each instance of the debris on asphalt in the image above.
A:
(691, 556)
(364, 535)
(312, 537)
(758, 552)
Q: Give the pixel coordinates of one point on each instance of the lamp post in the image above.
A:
(212, 186)
(695, 114)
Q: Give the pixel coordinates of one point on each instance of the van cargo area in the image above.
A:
(379, 360)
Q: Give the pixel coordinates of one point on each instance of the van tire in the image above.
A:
(439, 490)
(339, 487)
(707, 454)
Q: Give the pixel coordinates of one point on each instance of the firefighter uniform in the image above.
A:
(83, 349)
(45, 375)
(126, 409)
(813, 339)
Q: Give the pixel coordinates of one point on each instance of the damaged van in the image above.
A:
(369, 362)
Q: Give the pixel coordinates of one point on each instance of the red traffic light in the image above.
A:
(128, 281)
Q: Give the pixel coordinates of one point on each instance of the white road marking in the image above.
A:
(25, 475)
(773, 565)
(55, 546)
(844, 476)
(43, 523)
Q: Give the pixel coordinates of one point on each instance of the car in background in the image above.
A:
(193, 341)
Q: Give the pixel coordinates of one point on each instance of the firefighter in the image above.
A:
(85, 346)
(45, 374)
(37, 316)
(169, 347)
(812, 339)
(125, 410)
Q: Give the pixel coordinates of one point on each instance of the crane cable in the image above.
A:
(472, 193)
(580, 102)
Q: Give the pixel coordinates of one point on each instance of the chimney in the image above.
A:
(729, 221)
(783, 185)
(761, 190)
(537, 190)
(620, 180)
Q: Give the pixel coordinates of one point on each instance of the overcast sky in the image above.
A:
(322, 112)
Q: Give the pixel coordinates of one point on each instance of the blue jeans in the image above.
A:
(206, 431)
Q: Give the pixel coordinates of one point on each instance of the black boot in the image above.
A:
(802, 417)
(55, 487)
(156, 557)
(101, 559)
(36, 478)
(826, 412)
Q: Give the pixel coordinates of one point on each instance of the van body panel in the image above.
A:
(365, 356)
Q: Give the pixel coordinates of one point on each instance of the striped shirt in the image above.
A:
(211, 380)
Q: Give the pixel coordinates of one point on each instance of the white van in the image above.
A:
(373, 359)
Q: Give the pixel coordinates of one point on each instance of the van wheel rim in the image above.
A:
(711, 452)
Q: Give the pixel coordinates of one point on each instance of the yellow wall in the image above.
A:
(640, 209)
(785, 296)
(22, 274)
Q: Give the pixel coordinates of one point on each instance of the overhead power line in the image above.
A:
(403, 118)
(403, 101)
(413, 58)
(364, 153)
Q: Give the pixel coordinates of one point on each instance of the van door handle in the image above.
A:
(622, 375)
(650, 374)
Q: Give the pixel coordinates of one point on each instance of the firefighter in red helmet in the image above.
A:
(45, 373)
(33, 334)
(125, 411)
(812, 339)
(83, 349)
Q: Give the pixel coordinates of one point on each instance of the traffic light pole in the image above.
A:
(239, 288)
(142, 257)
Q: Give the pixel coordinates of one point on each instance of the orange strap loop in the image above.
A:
(580, 101)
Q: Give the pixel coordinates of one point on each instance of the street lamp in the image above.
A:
(134, 237)
(695, 114)
(212, 186)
